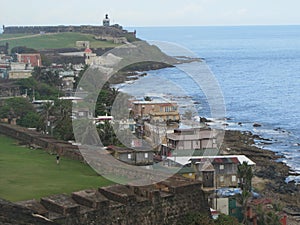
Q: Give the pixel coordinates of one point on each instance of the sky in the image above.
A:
(137, 13)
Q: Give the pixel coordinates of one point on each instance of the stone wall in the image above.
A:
(46, 142)
(164, 203)
(97, 30)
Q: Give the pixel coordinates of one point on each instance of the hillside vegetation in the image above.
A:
(52, 41)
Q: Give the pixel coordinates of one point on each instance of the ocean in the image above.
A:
(258, 71)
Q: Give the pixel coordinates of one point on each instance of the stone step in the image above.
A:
(118, 193)
(62, 204)
(35, 206)
(90, 198)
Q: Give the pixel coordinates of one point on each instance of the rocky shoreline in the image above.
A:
(269, 174)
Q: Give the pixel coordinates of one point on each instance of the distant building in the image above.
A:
(19, 74)
(89, 56)
(40, 104)
(19, 70)
(139, 157)
(82, 44)
(215, 172)
(190, 141)
(106, 21)
(9, 89)
(32, 60)
(156, 110)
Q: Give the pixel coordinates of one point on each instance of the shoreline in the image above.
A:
(269, 174)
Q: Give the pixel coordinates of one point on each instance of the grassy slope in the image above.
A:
(27, 174)
(52, 41)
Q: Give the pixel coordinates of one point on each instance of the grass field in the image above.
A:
(52, 41)
(32, 174)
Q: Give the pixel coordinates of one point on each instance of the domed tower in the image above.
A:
(106, 21)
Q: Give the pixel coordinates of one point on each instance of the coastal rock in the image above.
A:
(267, 168)
(257, 125)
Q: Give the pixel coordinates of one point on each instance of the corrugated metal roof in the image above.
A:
(183, 160)
(226, 160)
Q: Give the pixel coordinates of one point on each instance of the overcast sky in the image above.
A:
(133, 13)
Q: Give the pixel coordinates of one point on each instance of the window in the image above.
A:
(146, 155)
(233, 178)
(221, 178)
(221, 167)
(129, 156)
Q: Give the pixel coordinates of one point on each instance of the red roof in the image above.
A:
(88, 50)
(33, 59)
(233, 160)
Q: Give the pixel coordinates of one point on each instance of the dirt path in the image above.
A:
(24, 37)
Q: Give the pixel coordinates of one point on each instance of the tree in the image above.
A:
(62, 123)
(243, 200)
(268, 216)
(22, 50)
(107, 134)
(31, 119)
(245, 175)
(226, 220)
(45, 115)
(16, 108)
(202, 219)
(196, 219)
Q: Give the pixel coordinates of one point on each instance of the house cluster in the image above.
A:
(20, 66)
(193, 152)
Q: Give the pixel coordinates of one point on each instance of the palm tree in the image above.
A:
(245, 175)
(243, 200)
(46, 112)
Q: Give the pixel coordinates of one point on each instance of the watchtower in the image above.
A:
(106, 21)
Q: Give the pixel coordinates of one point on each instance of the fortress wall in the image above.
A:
(166, 202)
(119, 204)
(47, 143)
(97, 30)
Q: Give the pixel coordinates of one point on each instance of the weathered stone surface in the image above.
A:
(91, 198)
(163, 203)
(62, 204)
(14, 214)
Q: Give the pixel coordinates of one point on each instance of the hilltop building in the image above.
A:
(106, 21)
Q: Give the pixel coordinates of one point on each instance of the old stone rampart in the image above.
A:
(38, 140)
(97, 30)
(167, 202)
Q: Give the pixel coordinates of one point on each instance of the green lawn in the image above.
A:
(52, 41)
(32, 174)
